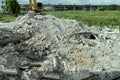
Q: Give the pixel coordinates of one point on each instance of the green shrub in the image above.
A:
(112, 7)
(101, 9)
(109, 7)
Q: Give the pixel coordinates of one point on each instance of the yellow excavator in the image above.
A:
(34, 6)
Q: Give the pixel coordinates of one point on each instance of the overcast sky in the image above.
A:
(75, 1)
(95, 2)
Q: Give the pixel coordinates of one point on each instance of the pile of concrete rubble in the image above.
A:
(44, 47)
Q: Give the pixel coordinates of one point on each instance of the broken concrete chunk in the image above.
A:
(12, 78)
(9, 71)
(90, 42)
(25, 76)
(31, 14)
(78, 75)
(2, 67)
(52, 76)
(7, 36)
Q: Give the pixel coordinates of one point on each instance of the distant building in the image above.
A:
(76, 7)
(25, 6)
(71, 7)
(64, 7)
(0, 5)
(48, 7)
(0, 8)
(1, 1)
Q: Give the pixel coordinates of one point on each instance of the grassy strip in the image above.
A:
(91, 18)
(7, 18)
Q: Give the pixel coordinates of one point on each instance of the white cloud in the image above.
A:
(106, 2)
(75, 1)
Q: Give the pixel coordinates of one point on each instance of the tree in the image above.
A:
(2, 6)
(12, 6)
(112, 7)
(109, 7)
(101, 8)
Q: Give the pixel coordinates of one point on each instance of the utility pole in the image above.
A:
(74, 7)
(119, 29)
(90, 5)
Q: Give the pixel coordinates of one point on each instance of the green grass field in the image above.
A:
(91, 18)
(7, 18)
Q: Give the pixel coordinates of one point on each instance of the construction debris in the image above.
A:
(41, 47)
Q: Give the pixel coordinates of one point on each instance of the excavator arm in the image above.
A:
(33, 6)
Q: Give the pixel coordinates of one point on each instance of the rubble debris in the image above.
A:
(25, 75)
(51, 76)
(9, 71)
(7, 36)
(43, 47)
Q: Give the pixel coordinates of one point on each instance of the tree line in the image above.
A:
(11, 7)
(109, 7)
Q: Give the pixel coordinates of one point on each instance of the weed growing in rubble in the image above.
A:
(97, 18)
